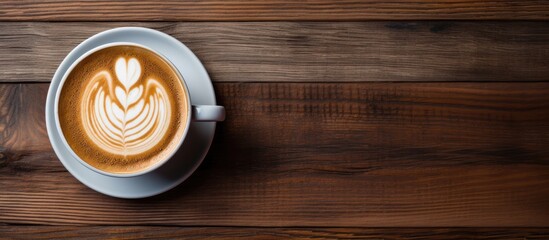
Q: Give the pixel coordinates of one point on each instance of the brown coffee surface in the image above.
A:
(123, 109)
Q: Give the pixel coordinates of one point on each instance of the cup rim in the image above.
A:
(69, 148)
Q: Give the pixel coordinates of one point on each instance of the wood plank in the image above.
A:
(311, 52)
(300, 154)
(271, 10)
(140, 232)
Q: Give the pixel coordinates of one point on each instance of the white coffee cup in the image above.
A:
(196, 113)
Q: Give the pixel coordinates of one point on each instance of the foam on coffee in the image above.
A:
(122, 109)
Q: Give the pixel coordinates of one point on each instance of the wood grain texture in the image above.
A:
(221, 233)
(310, 51)
(300, 154)
(271, 10)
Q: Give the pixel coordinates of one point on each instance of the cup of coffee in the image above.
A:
(123, 109)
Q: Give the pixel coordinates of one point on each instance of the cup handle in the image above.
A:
(208, 113)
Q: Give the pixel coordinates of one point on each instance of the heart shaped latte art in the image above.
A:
(122, 116)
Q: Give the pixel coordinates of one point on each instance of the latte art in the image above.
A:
(121, 115)
(123, 109)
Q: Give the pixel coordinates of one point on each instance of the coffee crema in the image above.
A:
(122, 109)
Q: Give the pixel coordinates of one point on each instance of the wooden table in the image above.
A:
(345, 119)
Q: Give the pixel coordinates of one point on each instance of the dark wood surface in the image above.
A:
(338, 125)
(304, 154)
(311, 52)
(271, 10)
(229, 233)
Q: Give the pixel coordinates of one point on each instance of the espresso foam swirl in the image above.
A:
(123, 115)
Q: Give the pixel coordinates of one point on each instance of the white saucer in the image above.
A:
(193, 149)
